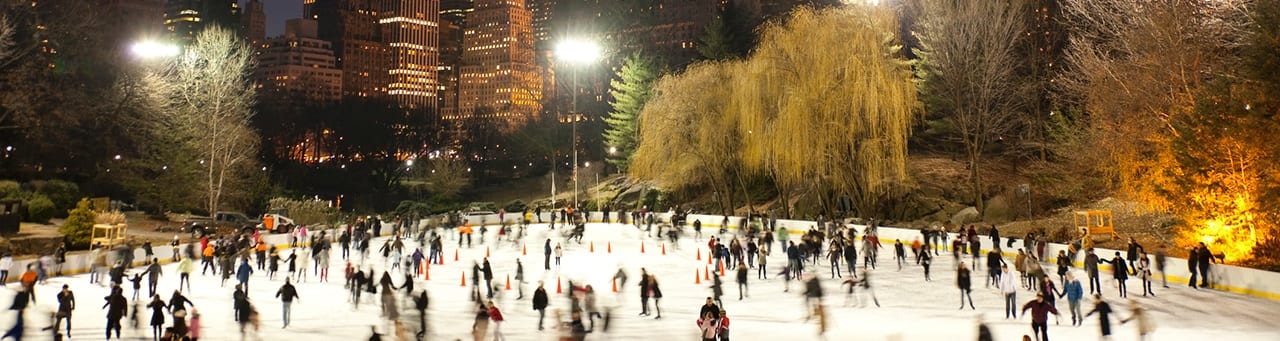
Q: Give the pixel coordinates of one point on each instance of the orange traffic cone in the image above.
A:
(706, 273)
(486, 252)
(526, 250)
(455, 255)
(426, 275)
(464, 279)
(508, 282)
(664, 249)
(696, 279)
(708, 257)
(641, 247)
(699, 254)
(593, 246)
(610, 246)
(721, 269)
(558, 291)
(615, 285)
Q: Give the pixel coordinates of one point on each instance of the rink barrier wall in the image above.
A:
(1246, 281)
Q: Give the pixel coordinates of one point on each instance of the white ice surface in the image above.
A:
(912, 308)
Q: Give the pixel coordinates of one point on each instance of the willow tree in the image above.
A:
(827, 102)
(686, 136)
(968, 52)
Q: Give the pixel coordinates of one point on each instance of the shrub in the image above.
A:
(516, 206)
(410, 208)
(63, 194)
(39, 208)
(78, 228)
(9, 189)
(305, 212)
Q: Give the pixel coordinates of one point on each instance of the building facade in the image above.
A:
(499, 78)
(254, 23)
(411, 33)
(298, 68)
(184, 19)
(353, 29)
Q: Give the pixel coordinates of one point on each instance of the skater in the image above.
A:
(488, 277)
(178, 304)
(926, 260)
(994, 263)
(644, 292)
(834, 254)
(66, 304)
(242, 274)
(184, 273)
(717, 289)
(240, 304)
(1010, 291)
(421, 302)
(742, 281)
(559, 253)
(1091, 261)
(157, 306)
(546, 253)
(1104, 315)
(540, 302)
(480, 327)
(1144, 273)
(589, 304)
(153, 276)
(812, 293)
(866, 289)
(1160, 263)
(1134, 250)
(1120, 272)
(708, 326)
(1039, 316)
(1145, 325)
(519, 279)
(656, 293)
(899, 253)
(762, 268)
(287, 294)
(274, 264)
(496, 316)
(1073, 292)
(116, 307)
(1064, 264)
(723, 330)
(962, 281)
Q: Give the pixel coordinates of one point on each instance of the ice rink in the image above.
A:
(912, 309)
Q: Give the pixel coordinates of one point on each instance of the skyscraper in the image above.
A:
(183, 19)
(254, 23)
(352, 26)
(542, 11)
(499, 78)
(298, 67)
(411, 32)
(453, 17)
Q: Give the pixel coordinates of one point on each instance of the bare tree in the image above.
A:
(969, 49)
(209, 100)
(6, 39)
(444, 177)
(1136, 67)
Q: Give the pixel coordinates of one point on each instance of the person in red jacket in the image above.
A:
(1039, 316)
(724, 326)
(496, 316)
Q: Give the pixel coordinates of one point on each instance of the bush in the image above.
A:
(305, 212)
(78, 228)
(410, 208)
(39, 208)
(63, 194)
(516, 206)
(9, 189)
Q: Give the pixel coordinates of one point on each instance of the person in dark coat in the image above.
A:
(1040, 310)
(546, 253)
(420, 302)
(963, 282)
(153, 276)
(1121, 273)
(994, 262)
(240, 304)
(157, 306)
(116, 307)
(656, 293)
(1132, 255)
(742, 281)
(540, 303)
(287, 294)
(488, 277)
(1204, 257)
(1104, 315)
(1091, 261)
(644, 292)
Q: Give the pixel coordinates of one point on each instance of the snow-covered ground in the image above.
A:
(912, 309)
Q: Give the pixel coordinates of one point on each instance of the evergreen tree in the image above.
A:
(717, 41)
(630, 92)
(79, 225)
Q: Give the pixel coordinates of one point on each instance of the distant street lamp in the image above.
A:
(153, 50)
(579, 53)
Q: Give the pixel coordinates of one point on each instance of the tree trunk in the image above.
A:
(976, 180)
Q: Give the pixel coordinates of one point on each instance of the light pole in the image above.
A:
(577, 52)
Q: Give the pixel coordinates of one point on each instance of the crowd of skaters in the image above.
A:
(748, 248)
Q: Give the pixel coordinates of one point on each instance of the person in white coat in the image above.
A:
(1009, 289)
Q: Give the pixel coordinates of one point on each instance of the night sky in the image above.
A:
(278, 11)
